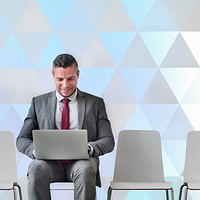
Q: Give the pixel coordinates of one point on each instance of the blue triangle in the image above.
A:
(54, 10)
(22, 165)
(137, 10)
(11, 122)
(75, 19)
(137, 79)
(95, 80)
(138, 121)
(117, 43)
(159, 115)
(3, 24)
(12, 55)
(140, 194)
(178, 126)
(159, 19)
(22, 110)
(174, 148)
(4, 108)
(53, 48)
(12, 11)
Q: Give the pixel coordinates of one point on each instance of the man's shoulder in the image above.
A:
(45, 95)
(89, 95)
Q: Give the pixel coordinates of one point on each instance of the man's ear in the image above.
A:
(78, 73)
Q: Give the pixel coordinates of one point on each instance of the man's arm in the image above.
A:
(105, 142)
(24, 141)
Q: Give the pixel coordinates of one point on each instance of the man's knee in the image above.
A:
(37, 170)
(86, 171)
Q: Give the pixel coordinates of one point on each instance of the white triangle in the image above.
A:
(193, 40)
(192, 95)
(192, 112)
(179, 79)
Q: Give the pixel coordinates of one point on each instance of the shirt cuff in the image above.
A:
(90, 150)
(34, 154)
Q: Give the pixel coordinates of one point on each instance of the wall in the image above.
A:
(141, 56)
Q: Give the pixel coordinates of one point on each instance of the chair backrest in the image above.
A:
(139, 157)
(192, 159)
(8, 171)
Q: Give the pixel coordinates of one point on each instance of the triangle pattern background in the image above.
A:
(141, 56)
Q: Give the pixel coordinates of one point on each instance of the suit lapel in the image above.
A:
(81, 108)
(51, 109)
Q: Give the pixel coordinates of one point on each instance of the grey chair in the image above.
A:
(139, 164)
(8, 166)
(191, 172)
(67, 186)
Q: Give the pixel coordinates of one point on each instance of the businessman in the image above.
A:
(86, 111)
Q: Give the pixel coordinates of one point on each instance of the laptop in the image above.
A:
(60, 144)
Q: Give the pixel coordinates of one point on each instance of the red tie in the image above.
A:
(65, 115)
(65, 121)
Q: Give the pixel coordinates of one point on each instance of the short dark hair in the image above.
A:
(64, 61)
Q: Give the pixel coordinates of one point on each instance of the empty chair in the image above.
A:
(191, 173)
(138, 164)
(8, 168)
(62, 186)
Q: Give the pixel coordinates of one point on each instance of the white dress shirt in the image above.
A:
(73, 111)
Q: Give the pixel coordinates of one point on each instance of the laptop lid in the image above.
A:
(60, 144)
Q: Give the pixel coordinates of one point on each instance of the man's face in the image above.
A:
(65, 80)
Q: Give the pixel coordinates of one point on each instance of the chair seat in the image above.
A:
(6, 186)
(62, 186)
(193, 185)
(140, 185)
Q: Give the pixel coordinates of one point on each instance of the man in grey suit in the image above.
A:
(86, 112)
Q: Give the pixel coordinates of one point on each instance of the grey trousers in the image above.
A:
(82, 173)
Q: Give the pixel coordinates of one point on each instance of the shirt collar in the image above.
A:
(71, 98)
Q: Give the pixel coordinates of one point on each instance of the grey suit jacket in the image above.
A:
(91, 116)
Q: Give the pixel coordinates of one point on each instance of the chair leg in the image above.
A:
(109, 193)
(172, 194)
(186, 192)
(167, 194)
(19, 190)
(14, 193)
(181, 190)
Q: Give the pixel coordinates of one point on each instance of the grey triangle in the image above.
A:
(123, 23)
(159, 92)
(138, 55)
(179, 55)
(190, 24)
(117, 91)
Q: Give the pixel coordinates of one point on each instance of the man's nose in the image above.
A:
(65, 83)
